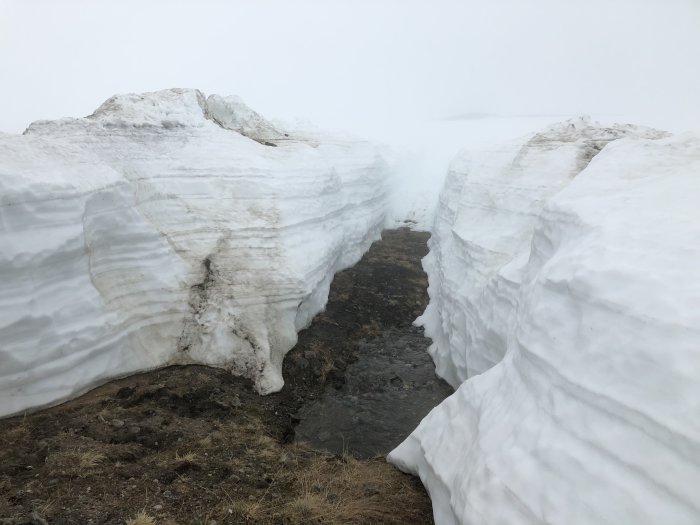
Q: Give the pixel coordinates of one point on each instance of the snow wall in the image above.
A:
(568, 293)
(170, 228)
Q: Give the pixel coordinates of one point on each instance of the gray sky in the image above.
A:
(357, 64)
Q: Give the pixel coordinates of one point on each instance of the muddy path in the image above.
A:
(194, 444)
(382, 380)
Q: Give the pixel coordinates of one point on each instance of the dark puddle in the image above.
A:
(387, 384)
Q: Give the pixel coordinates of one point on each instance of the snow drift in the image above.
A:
(571, 299)
(170, 228)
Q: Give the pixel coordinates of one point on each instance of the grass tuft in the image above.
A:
(188, 457)
(90, 459)
(141, 519)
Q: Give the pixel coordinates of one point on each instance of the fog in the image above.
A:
(375, 67)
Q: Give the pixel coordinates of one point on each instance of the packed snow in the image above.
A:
(489, 206)
(565, 304)
(167, 228)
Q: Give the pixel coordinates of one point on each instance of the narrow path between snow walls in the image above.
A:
(381, 379)
(194, 444)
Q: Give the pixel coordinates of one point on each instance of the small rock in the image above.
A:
(167, 477)
(117, 423)
(396, 381)
(124, 392)
(129, 472)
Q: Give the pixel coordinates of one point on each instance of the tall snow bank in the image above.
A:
(488, 209)
(590, 287)
(155, 231)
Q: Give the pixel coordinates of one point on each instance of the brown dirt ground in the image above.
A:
(194, 444)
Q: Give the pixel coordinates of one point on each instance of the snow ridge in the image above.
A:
(155, 231)
(577, 327)
(483, 229)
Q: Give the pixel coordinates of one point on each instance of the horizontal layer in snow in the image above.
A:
(579, 294)
(488, 208)
(155, 231)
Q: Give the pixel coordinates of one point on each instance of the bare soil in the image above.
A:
(195, 444)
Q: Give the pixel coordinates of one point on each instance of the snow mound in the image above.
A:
(231, 113)
(483, 228)
(155, 231)
(590, 287)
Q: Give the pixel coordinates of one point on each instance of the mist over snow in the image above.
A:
(362, 65)
(424, 77)
(391, 70)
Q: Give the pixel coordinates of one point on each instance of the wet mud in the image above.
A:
(389, 384)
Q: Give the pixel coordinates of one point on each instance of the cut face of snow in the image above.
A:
(155, 231)
(488, 210)
(581, 308)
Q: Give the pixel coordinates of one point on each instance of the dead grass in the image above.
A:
(43, 507)
(75, 462)
(188, 457)
(372, 329)
(14, 437)
(333, 490)
(239, 473)
(141, 519)
(90, 459)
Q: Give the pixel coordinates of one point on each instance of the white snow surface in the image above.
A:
(565, 305)
(161, 229)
